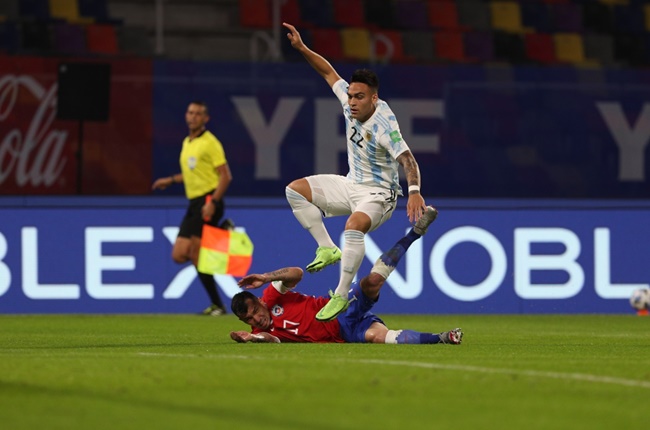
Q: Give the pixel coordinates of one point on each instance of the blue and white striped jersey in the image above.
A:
(374, 145)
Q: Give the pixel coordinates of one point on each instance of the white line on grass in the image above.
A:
(584, 377)
(535, 373)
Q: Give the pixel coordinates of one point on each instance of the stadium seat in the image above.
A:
(597, 17)
(34, 9)
(449, 46)
(509, 47)
(569, 48)
(629, 19)
(349, 13)
(418, 45)
(379, 13)
(396, 42)
(9, 10)
(599, 47)
(134, 41)
(356, 44)
(290, 12)
(540, 48)
(255, 14)
(479, 46)
(101, 39)
(411, 15)
(318, 13)
(506, 16)
(327, 42)
(615, 2)
(474, 14)
(35, 37)
(629, 49)
(536, 16)
(443, 15)
(97, 10)
(67, 10)
(566, 17)
(68, 38)
(9, 37)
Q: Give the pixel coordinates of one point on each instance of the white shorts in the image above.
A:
(336, 195)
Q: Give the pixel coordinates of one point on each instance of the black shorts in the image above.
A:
(192, 223)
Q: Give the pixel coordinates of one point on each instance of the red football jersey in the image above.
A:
(294, 317)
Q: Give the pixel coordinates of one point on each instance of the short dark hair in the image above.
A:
(367, 77)
(238, 306)
(201, 103)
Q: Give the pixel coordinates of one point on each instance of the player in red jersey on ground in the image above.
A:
(283, 315)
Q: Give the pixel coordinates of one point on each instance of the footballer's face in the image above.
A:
(257, 315)
(361, 99)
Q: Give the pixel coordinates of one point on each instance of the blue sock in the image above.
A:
(393, 255)
(416, 338)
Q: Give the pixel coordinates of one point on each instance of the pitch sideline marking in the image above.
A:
(535, 373)
(583, 377)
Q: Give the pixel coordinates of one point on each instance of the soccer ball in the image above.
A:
(640, 299)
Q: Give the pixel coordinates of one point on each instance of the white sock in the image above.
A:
(354, 249)
(391, 336)
(310, 217)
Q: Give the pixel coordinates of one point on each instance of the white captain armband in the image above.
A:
(279, 285)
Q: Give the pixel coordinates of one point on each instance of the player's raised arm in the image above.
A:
(320, 64)
(289, 276)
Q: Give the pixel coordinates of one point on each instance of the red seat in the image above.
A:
(101, 39)
(349, 13)
(255, 13)
(327, 42)
(449, 45)
(290, 13)
(540, 47)
(443, 15)
(395, 38)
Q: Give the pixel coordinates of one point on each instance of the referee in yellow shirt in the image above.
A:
(206, 176)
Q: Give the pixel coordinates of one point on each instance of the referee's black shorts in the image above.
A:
(192, 223)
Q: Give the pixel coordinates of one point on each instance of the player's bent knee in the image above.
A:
(301, 186)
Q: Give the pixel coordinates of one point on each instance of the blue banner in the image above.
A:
(103, 255)
(476, 131)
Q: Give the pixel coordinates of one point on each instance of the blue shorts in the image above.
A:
(357, 318)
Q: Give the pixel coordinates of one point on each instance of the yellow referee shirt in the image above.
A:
(199, 159)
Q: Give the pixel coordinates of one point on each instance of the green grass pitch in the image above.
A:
(184, 372)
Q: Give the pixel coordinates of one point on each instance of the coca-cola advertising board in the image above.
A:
(39, 154)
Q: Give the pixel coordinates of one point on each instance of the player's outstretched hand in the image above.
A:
(252, 281)
(415, 207)
(293, 36)
(240, 336)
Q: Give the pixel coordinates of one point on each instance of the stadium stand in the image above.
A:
(68, 39)
(506, 16)
(356, 44)
(349, 13)
(68, 10)
(449, 46)
(539, 32)
(255, 14)
(540, 48)
(569, 48)
(479, 47)
(418, 45)
(101, 39)
(411, 15)
(443, 15)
